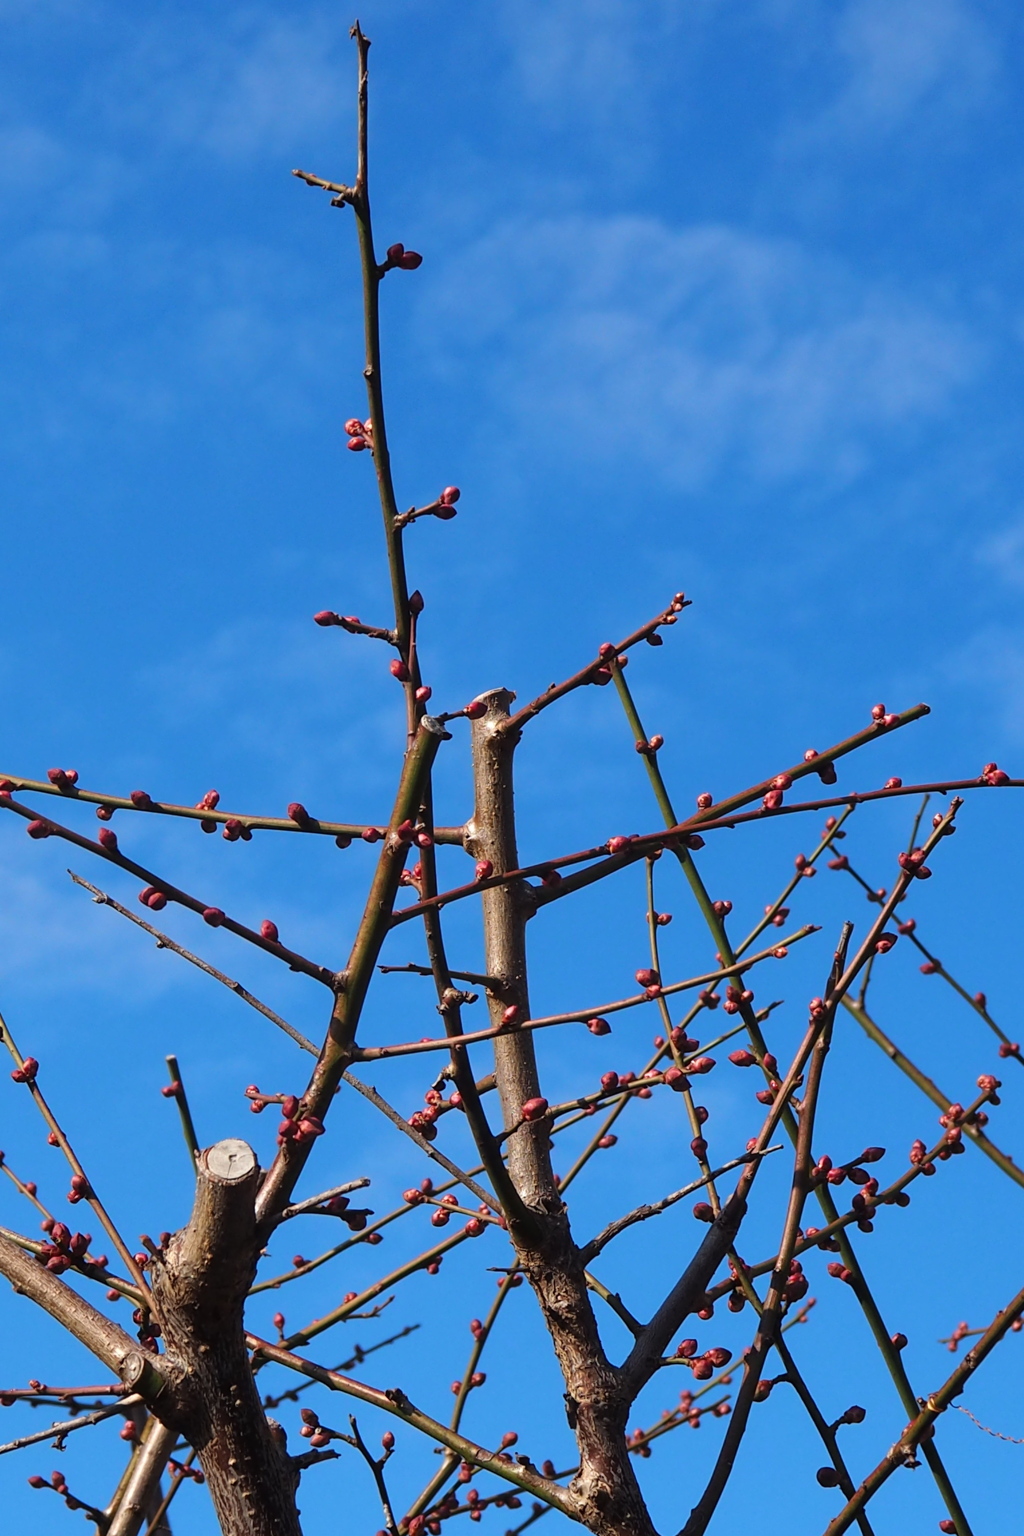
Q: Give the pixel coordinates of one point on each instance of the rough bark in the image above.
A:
(606, 1491)
(199, 1287)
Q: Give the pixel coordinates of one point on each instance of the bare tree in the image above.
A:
(187, 1384)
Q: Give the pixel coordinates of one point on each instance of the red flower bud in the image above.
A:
(648, 978)
(107, 839)
(534, 1109)
(39, 828)
(26, 1073)
(268, 930)
(399, 669)
(511, 1014)
(475, 710)
(599, 1026)
(449, 496)
(703, 1212)
(484, 869)
(213, 915)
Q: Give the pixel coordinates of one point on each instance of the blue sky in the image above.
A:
(715, 296)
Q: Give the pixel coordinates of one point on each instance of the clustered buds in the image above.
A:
(882, 719)
(444, 507)
(66, 1248)
(650, 981)
(826, 769)
(360, 434)
(295, 1127)
(65, 779)
(398, 256)
(994, 775)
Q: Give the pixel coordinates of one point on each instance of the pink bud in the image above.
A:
(511, 1014)
(648, 978)
(703, 1212)
(409, 261)
(353, 426)
(742, 1058)
(39, 828)
(484, 869)
(772, 800)
(878, 712)
(107, 839)
(607, 1141)
(423, 694)
(26, 1073)
(325, 618)
(156, 901)
(449, 496)
(141, 800)
(534, 1109)
(268, 930)
(371, 834)
(599, 1026)
(616, 844)
(298, 813)
(356, 444)
(893, 784)
(213, 915)
(399, 669)
(705, 801)
(475, 710)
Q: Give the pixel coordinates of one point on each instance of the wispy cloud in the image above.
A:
(1003, 554)
(685, 347)
(235, 85)
(902, 58)
(991, 668)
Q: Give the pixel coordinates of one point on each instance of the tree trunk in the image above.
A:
(608, 1496)
(200, 1283)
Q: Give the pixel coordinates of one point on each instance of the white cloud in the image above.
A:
(992, 664)
(236, 86)
(902, 57)
(682, 347)
(1003, 554)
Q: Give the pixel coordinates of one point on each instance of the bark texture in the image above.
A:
(606, 1491)
(199, 1287)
